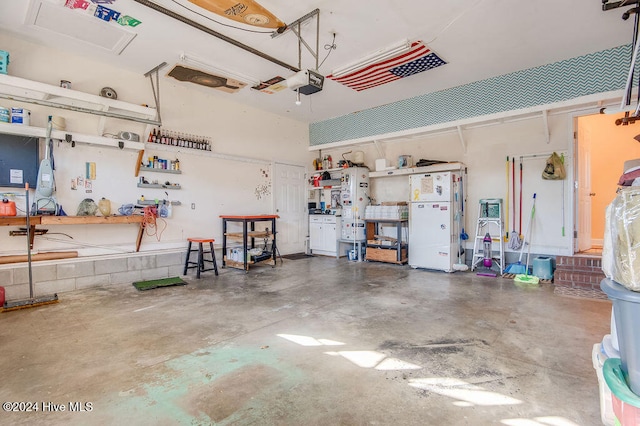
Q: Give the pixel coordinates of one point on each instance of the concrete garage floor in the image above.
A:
(315, 342)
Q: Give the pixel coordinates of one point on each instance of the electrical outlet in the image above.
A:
(193, 206)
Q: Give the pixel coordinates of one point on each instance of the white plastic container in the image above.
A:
(4, 115)
(382, 164)
(20, 116)
(606, 406)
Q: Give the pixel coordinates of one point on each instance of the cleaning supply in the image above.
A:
(525, 278)
(486, 244)
(519, 268)
(31, 301)
(506, 220)
(515, 242)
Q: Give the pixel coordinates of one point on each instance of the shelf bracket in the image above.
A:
(545, 121)
(376, 143)
(462, 141)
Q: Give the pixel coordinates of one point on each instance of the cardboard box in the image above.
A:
(382, 164)
(385, 255)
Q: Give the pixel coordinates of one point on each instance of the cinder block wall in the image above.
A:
(60, 276)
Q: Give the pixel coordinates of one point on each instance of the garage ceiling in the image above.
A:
(477, 39)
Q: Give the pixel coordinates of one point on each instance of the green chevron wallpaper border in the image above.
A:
(568, 79)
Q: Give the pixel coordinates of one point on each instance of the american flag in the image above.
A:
(419, 58)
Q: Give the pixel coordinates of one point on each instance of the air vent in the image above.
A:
(202, 78)
(57, 19)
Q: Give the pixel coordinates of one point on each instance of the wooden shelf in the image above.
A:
(89, 220)
(250, 234)
(69, 220)
(154, 170)
(240, 265)
(153, 202)
(158, 186)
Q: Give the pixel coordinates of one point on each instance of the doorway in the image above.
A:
(601, 148)
(290, 199)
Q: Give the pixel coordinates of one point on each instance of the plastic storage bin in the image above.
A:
(626, 404)
(606, 406)
(626, 308)
(542, 268)
(4, 61)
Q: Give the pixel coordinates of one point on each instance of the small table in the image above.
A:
(356, 243)
(248, 232)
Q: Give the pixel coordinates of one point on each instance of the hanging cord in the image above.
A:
(330, 48)
(150, 223)
(452, 21)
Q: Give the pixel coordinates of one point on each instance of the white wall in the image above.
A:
(216, 185)
(486, 150)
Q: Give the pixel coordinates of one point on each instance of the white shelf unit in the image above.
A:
(33, 92)
(41, 132)
(440, 167)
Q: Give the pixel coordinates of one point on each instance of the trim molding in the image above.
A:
(583, 79)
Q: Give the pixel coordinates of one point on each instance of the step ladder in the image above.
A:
(489, 221)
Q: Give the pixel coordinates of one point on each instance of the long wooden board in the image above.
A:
(39, 256)
(244, 11)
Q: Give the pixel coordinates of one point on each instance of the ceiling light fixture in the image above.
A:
(298, 102)
(190, 59)
(379, 56)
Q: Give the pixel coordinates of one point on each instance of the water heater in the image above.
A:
(354, 197)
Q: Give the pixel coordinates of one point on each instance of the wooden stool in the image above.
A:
(200, 263)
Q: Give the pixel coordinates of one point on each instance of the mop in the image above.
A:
(506, 235)
(31, 301)
(519, 268)
(525, 278)
(515, 242)
(460, 266)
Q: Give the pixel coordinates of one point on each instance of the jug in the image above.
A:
(104, 206)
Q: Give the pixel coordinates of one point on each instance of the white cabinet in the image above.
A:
(323, 234)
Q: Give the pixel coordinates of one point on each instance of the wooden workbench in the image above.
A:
(74, 220)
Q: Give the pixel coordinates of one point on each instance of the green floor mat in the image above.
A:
(163, 282)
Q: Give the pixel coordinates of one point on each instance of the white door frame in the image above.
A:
(573, 175)
(303, 222)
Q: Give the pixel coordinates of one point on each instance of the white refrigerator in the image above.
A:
(433, 230)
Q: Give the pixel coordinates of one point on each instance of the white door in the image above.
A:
(583, 190)
(289, 184)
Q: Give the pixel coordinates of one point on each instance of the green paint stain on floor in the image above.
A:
(214, 385)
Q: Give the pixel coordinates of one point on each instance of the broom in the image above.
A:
(525, 278)
(32, 301)
(519, 268)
